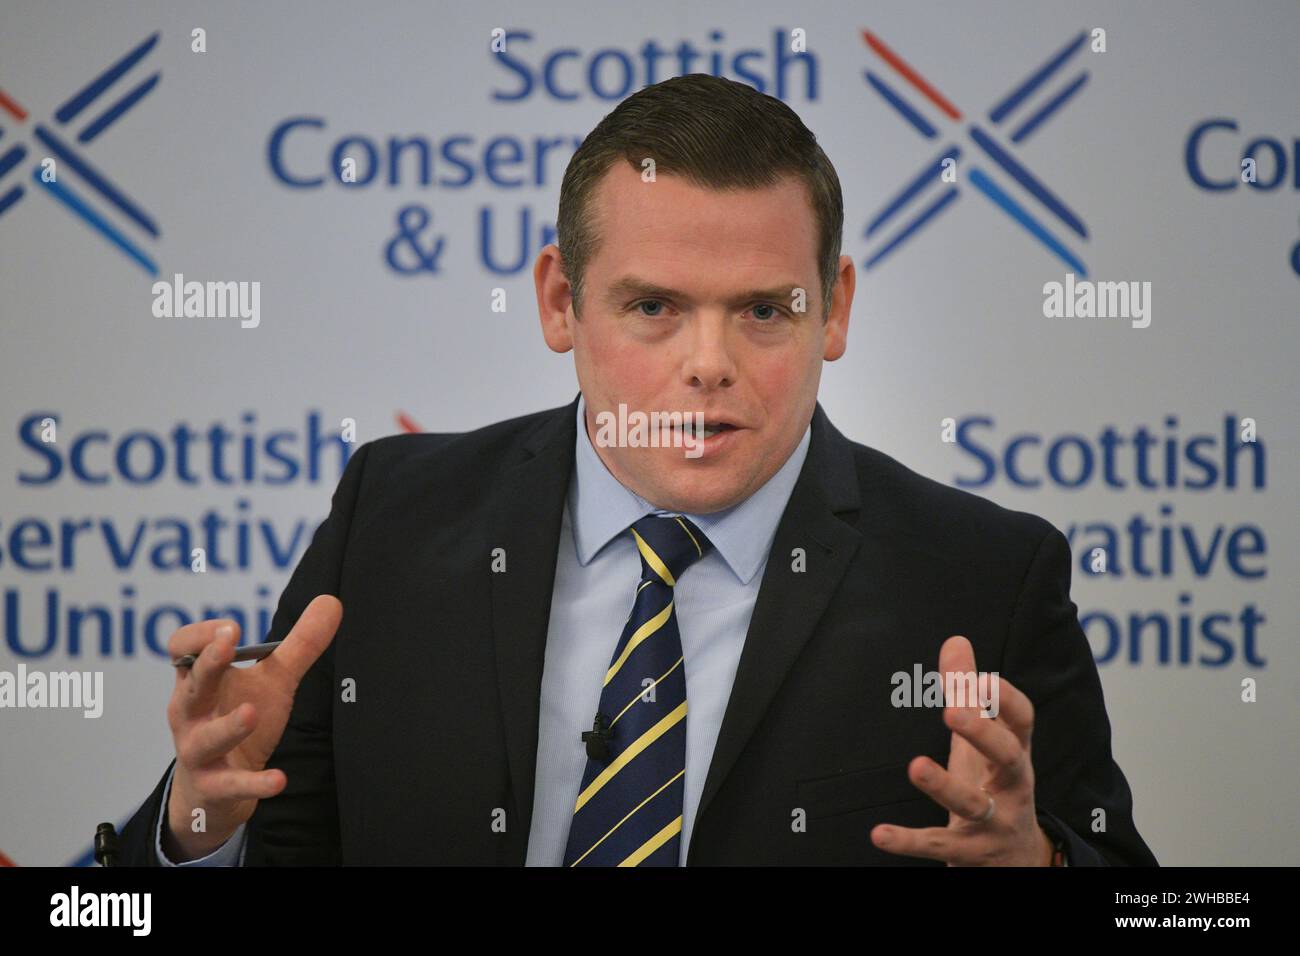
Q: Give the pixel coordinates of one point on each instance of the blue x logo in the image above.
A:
(58, 149)
(987, 143)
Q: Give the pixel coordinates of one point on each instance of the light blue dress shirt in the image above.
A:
(596, 574)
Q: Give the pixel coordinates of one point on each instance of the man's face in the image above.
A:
(690, 305)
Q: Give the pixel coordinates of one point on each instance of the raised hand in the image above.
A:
(988, 786)
(226, 722)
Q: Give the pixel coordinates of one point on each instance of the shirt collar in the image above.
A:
(601, 508)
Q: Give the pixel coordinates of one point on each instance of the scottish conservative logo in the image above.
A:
(91, 195)
(1011, 121)
(511, 174)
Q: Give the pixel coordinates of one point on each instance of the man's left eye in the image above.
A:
(766, 312)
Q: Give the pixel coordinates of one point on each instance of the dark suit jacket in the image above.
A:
(447, 659)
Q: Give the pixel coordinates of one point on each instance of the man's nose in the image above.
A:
(710, 360)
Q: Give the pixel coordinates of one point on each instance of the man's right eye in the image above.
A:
(658, 306)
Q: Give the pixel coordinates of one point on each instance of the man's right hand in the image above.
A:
(227, 721)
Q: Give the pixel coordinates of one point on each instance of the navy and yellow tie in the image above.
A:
(629, 807)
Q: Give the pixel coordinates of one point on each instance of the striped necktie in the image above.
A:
(629, 807)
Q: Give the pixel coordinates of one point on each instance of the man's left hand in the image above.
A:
(988, 787)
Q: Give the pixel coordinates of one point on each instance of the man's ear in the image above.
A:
(554, 299)
(835, 334)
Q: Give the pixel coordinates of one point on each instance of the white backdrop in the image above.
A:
(949, 324)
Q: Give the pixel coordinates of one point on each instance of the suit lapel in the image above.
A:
(789, 603)
(526, 520)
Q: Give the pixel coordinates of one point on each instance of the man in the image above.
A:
(530, 611)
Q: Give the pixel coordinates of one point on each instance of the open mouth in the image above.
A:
(710, 428)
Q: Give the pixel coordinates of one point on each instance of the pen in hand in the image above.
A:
(250, 652)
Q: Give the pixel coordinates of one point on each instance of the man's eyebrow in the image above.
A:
(630, 287)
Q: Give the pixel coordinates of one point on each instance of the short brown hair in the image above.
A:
(717, 133)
